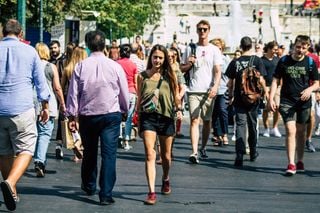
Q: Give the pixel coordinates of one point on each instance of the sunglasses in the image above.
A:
(200, 29)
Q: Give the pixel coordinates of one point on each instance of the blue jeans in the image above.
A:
(220, 116)
(128, 125)
(107, 128)
(43, 140)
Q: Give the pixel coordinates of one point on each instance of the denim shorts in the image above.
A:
(158, 123)
(18, 133)
(291, 113)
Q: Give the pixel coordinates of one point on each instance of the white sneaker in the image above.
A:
(127, 147)
(275, 132)
(317, 132)
(233, 138)
(247, 150)
(266, 133)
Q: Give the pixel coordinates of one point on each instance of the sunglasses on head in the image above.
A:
(201, 29)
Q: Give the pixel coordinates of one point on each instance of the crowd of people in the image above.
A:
(101, 89)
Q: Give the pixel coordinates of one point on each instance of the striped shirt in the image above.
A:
(138, 62)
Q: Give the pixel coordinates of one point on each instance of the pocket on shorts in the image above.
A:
(24, 120)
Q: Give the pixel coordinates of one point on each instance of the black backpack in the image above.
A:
(251, 87)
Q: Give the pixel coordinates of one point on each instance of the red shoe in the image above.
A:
(291, 170)
(151, 199)
(165, 189)
(300, 167)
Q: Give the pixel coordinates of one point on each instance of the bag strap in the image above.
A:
(251, 61)
(159, 83)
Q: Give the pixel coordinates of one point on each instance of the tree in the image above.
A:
(126, 17)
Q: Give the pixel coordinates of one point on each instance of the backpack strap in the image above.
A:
(251, 61)
(310, 62)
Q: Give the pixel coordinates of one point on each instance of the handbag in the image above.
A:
(67, 138)
(71, 140)
(150, 102)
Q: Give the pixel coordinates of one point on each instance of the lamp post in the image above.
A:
(41, 21)
(21, 14)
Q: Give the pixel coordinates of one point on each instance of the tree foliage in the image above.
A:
(125, 18)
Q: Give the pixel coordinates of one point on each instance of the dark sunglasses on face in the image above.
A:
(200, 29)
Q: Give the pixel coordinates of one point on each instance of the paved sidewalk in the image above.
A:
(212, 186)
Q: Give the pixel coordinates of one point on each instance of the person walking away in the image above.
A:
(246, 116)
(20, 71)
(159, 119)
(204, 66)
(131, 72)
(295, 102)
(78, 54)
(45, 129)
(270, 61)
(98, 94)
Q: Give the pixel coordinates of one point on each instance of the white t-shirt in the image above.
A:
(201, 75)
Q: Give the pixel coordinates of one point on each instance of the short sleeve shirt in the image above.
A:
(296, 77)
(235, 69)
(201, 75)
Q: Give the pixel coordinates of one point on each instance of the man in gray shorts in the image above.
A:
(204, 66)
(299, 79)
(20, 72)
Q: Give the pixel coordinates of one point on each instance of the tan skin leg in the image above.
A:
(166, 145)
(276, 116)
(310, 125)
(194, 134)
(149, 140)
(19, 166)
(205, 133)
(301, 138)
(265, 121)
(6, 165)
(291, 140)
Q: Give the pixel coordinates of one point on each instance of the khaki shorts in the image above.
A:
(200, 106)
(18, 133)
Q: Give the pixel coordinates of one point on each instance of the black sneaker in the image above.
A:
(310, 146)
(59, 152)
(203, 154)
(254, 156)
(239, 161)
(39, 168)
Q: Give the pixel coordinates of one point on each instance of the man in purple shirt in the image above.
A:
(98, 94)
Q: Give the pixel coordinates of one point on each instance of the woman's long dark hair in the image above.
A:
(167, 71)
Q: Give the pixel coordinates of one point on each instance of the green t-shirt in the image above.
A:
(165, 106)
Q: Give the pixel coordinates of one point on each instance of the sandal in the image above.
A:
(225, 140)
(9, 197)
(217, 143)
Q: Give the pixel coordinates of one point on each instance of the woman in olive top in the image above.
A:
(161, 121)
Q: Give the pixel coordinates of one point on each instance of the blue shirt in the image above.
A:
(20, 71)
